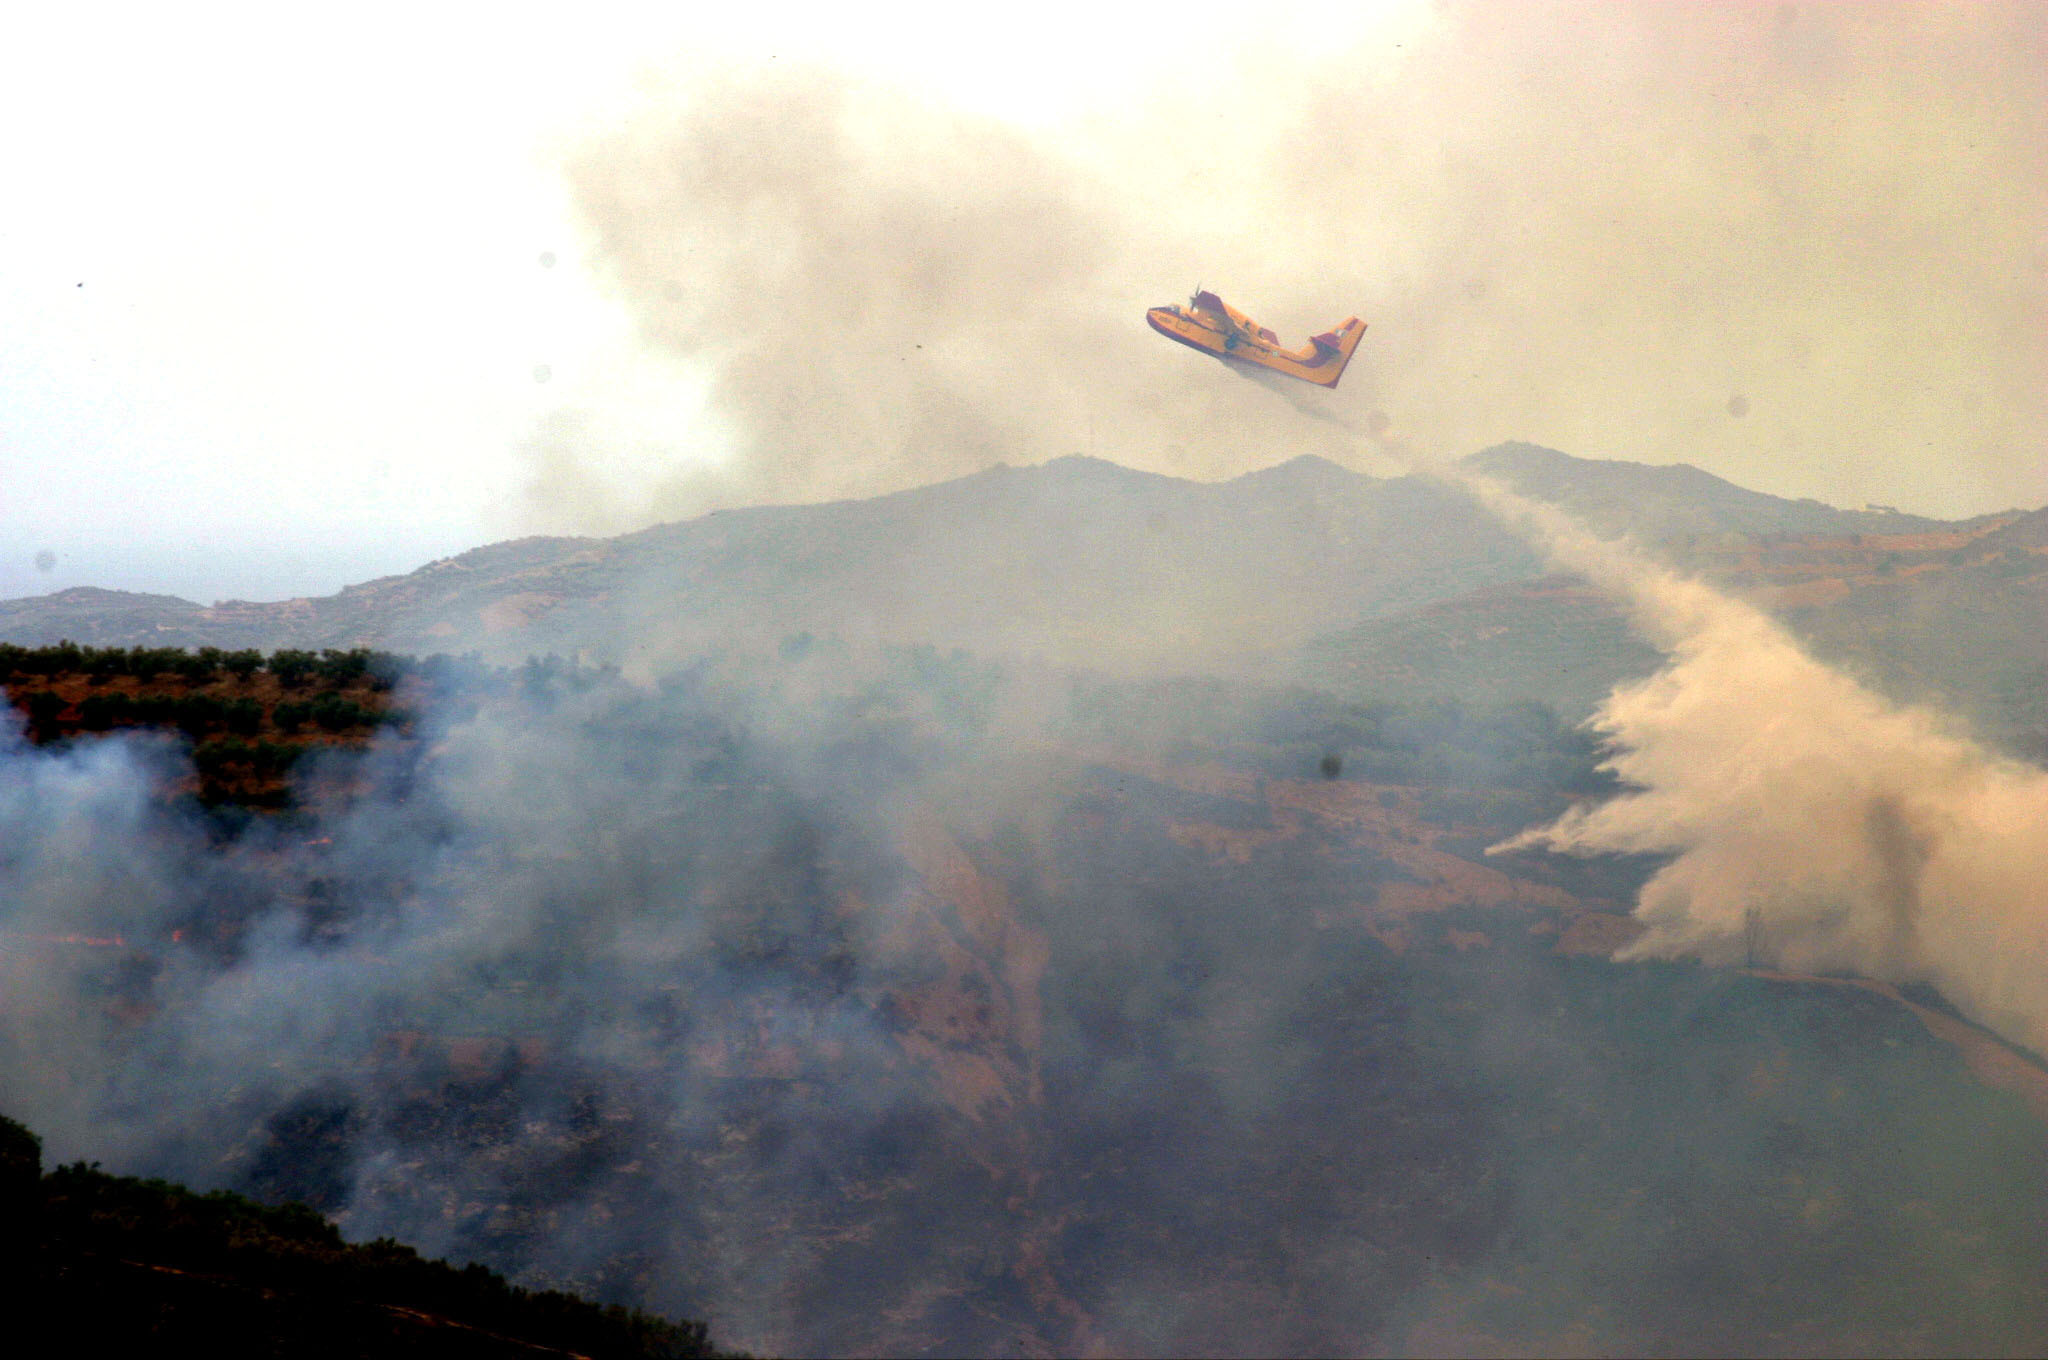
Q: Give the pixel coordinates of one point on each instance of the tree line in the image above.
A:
(294, 668)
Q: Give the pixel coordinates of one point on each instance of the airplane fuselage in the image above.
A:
(1217, 329)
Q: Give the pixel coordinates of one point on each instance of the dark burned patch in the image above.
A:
(306, 1153)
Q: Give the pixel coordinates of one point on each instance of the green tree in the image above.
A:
(292, 667)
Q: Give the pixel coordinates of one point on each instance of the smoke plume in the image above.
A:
(1861, 836)
(883, 293)
(1730, 231)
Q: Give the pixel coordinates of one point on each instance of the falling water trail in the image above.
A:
(1806, 814)
(1290, 391)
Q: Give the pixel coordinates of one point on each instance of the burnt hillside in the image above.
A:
(892, 1003)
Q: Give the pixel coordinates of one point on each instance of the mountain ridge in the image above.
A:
(1612, 495)
(1332, 575)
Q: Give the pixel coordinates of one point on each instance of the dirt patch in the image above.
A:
(515, 611)
(1386, 818)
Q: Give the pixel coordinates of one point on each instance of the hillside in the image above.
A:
(1048, 912)
(1050, 560)
(115, 1264)
(1926, 611)
(1367, 586)
(1675, 501)
(843, 1005)
(1551, 639)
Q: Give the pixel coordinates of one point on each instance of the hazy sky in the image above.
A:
(294, 299)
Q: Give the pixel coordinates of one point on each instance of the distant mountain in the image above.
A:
(1672, 502)
(1305, 570)
(114, 618)
(1078, 560)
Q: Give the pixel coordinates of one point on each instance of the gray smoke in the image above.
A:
(689, 993)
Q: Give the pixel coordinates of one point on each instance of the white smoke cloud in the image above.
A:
(1857, 834)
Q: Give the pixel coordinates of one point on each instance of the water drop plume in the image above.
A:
(1861, 835)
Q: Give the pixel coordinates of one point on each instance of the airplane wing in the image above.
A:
(1207, 304)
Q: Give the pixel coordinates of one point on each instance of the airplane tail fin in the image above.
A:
(1334, 348)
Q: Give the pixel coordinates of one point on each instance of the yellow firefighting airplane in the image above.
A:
(1213, 326)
